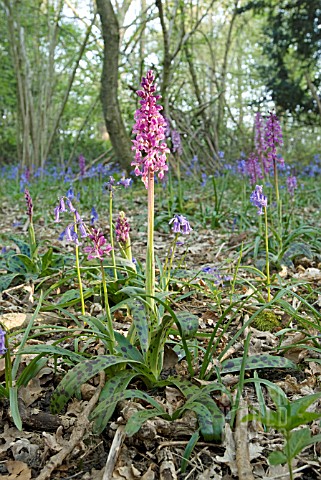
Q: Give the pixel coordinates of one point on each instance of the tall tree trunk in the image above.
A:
(109, 85)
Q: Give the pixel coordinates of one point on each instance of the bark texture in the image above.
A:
(109, 85)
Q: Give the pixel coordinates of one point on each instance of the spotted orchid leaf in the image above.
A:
(256, 361)
(79, 375)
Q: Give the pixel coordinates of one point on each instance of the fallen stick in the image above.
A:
(114, 452)
(241, 444)
(76, 436)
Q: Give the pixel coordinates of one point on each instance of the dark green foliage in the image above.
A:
(256, 361)
(79, 375)
(188, 322)
(291, 51)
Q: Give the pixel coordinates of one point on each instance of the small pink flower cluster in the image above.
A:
(150, 131)
(268, 135)
(99, 248)
(122, 228)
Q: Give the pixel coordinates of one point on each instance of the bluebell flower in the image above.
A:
(82, 230)
(125, 182)
(71, 235)
(70, 193)
(62, 235)
(258, 199)
(94, 216)
(2, 342)
(180, 224)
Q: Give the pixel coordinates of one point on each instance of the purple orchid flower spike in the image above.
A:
(29, 204)
(100, 248)
(149, 130)
(122, 228)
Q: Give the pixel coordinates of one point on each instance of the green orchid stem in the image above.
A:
(288, 453)
(8, 365)
(82, 300)
(110, 326)
(111, 227)
(32, 240)
(180, 191)
(267, 255)
(150, 255)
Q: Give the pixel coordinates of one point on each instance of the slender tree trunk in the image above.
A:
(109, 85)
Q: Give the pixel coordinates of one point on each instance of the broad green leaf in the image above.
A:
(30, 265)
(69, 298)
(295, 250)
(52, 350)
(277, 458)
(117, 397)
(79, 375)
(136, 421)
(141, 323)
(189, 323)
(23, 246)
(126, 349)
(218, 418)
(297, 411)
(6, 279)
(15, 265)
(205, 420)
(188, 450)
(255, 362)
(118, 383)
(14, 407)
(155, 350)
(31, 370)
(299, 439)
(46, 260)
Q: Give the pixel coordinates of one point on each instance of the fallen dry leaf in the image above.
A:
(18, 470)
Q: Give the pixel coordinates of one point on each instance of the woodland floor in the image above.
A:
(156, 451)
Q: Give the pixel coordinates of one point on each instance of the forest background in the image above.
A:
(68, 70)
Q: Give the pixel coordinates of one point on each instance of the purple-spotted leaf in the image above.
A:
(116, 384)
(141, 323)
(256, 361)
(79, 375)
(188, 323)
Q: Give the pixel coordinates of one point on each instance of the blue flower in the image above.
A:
(180, 224)
(2, 342)
(94, 216)
(258, 199)
(125, 182)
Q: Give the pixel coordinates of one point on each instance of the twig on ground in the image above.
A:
(76, 436)
(241, 444)
(114, 452)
